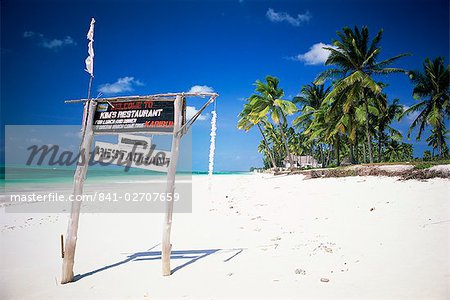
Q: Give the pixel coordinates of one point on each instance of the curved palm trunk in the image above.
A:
(369, 144)
(267, 146)
(329, 151)
(338, 161)
(439, 140)
(364, 153)
(300, 150)
(351, 147)
(380, 141)
(291, 162)
(352, 154)
(322, 157)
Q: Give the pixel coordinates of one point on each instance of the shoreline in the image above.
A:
(403, 171)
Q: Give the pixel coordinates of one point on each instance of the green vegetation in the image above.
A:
(432, 90)
(350, 120)
(428, 164)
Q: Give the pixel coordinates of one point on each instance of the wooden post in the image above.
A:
(80, 174)
(166, 245)
(62, 246)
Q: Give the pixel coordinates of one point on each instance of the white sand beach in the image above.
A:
(250, 237)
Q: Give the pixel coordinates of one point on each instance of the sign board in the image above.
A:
(134, 152)
(147, 115)
(134, 116)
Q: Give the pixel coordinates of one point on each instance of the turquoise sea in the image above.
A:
(14, 175)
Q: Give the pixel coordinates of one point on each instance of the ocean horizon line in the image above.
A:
(16, 174)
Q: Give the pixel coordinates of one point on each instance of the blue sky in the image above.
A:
(146, 47)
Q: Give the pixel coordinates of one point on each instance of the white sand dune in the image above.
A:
(251, 237)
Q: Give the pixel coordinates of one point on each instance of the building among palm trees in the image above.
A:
(301, 161)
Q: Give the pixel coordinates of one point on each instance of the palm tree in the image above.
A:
(274, 137)
(426, 155)
(267, 100)
(392, 112)
(327, 126)
(311, 97)
(246, 122)
(355, 58)
(262, 148)
(339, 119)
(434, 141)
(396, 151)
(432, 90)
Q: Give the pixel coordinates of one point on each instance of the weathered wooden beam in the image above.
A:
(170, 188)
(62, 246)
(154, 97)
(80, 175)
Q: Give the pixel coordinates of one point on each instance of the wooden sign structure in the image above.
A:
(155, 114)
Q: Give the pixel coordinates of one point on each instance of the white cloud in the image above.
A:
(283, 16)
(28, 34)
(49, 43)
(56, 43)
(411, 116)
(316, 54)
(191, 111)
(124, 84)
(201, 89)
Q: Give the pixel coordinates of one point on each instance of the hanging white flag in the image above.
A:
(90, 59)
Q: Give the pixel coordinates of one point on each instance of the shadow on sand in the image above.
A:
(191, 255)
